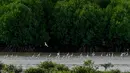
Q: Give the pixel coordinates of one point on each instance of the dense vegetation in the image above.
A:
(66, 25)
(52, 67)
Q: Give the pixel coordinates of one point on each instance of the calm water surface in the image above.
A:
(27, 60)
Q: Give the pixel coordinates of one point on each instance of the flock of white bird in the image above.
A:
(68, 55)
(61, 56)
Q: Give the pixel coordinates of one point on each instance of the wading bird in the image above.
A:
(6, 56)
(101, 54)
(58, 55)
(112, 54)
(49, 55)
(87, 55)
(126, 54)
(38, 55)
(71, 55)
(93, 54)
(45, 44)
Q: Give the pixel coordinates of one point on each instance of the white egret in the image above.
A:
(93, 54)
(107, 54)
(122, 54)
(16, 56)
(49, 55)
(46, 44)
(38, 55)
(67, 55)
(101, 54)
(71, 55)
(112, 55)
(81, 55)
(127, 54)
(33, 55)
(87, 55)
(58, 55)
(6, 56)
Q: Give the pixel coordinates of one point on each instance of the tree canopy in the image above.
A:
(66, 25)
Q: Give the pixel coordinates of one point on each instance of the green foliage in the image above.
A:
(94, 24)
(83, 69)
(1, 65)
(74, 22)
(12, 25)
(62, 67)
(47, 65)
(107, 65)
(12, 69)
(61, 72)
(56, 68)
(35, 70)
(52, 66)
(23, 23)
(118, 14)
(18, 69)
(113, 71)
(103, 3)
(89, 63)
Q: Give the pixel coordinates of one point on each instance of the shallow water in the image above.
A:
(31, 60)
